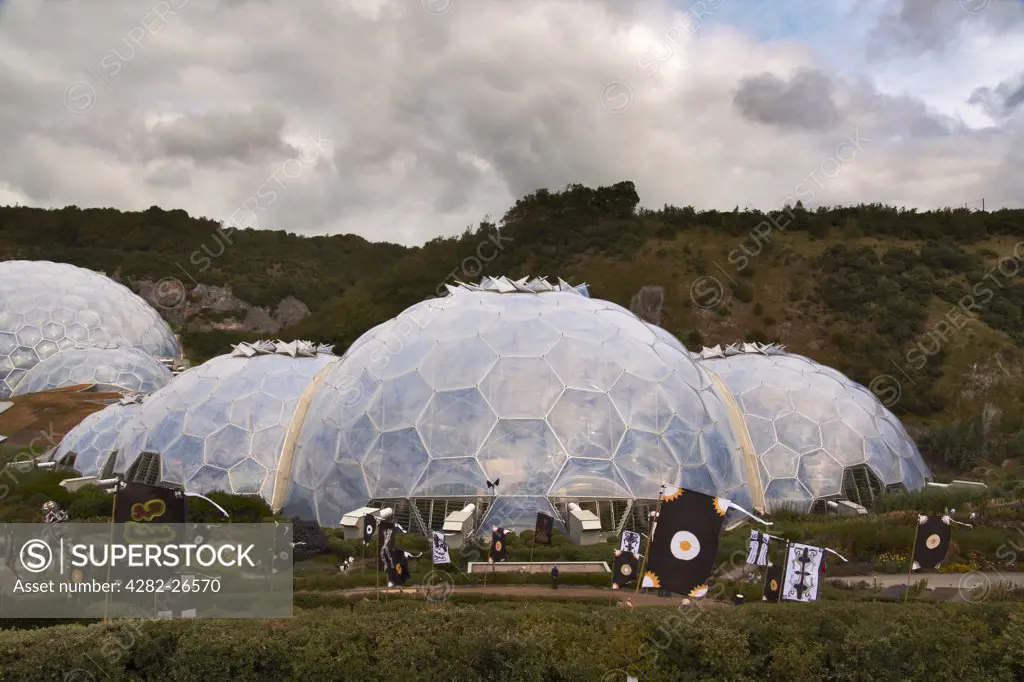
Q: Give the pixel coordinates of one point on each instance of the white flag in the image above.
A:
(630, 542)
(440, 548)
(803, 573)
(757, 554)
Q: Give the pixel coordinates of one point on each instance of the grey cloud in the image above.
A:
(1001, 101)
(437, 121)
(223, 135)
(916, 27)
(805, 101)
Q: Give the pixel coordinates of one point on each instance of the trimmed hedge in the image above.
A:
(409, 640)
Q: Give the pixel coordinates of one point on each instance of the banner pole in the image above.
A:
(764, 583)
(611, 586)
(113, 510)
(910, 560)
(650, 539)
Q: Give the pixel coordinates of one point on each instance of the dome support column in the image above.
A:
(284, 467)
(739, 427)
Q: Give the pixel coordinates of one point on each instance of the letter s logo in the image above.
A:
(153, 509)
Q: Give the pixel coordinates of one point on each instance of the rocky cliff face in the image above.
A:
(208, 308)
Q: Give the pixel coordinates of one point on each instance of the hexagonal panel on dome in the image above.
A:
(821, 474)
(395, 463)
(780, 462)
(817, 408)
(247, 477)
(636, 358)
(392, 356)
(589, 478)
(45, 307)
(400, 402)
(883, 461)
(642, 404)
(767, 402)
(788, 493)
(798, 433)
(524, 453)
(521, 388)
(517, 337)
(646, 463)
(762, 432)
(587, 424)
(462, 363)
(164, 433)
(584, 365)
(844, 444)
(856, 417)
(209, 478)
(790, 400)
(720, 454)
(452, 477)
(309, 471)
(683, 441)
(455, 423)
(339, 492)
(227, 446)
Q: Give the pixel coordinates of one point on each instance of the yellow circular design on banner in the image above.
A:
(933, 541)
(626, 570)
(76, 576)
(685, 545)
(497, 546)
(773, 585)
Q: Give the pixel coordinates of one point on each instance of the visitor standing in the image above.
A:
(554, 577)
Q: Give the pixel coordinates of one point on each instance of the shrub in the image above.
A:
(408, 639)
(743, 292)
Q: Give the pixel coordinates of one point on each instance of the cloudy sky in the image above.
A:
(402, 120)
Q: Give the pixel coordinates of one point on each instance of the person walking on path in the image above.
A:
(554, 577)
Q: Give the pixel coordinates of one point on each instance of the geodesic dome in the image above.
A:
(818, 434)
(222, 425)
(93, 439)
(555, 395)
(109, 368)
(45, 307)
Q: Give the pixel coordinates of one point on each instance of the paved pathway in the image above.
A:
(440, 593)
(967, 581)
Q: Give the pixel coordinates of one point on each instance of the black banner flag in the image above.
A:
(933, 536)
(627, 565)
(498, 552)
(399, 574)
(369, 528)
(684, 542)
(147, 512)
(140, 503)
(772, 584)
